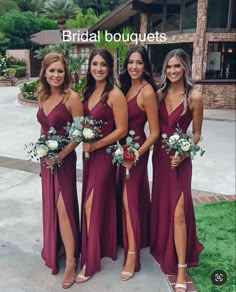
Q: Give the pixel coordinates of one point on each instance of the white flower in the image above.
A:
(88, 133)
(173, 139)
(52, 144)
(119, 151)
(185, 145)
(76, 133)
(135, 153)
(42, 150)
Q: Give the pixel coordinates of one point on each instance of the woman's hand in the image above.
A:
(176, 160)
(128, 164)
(89, 147)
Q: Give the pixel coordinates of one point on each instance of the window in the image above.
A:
(84, 51)
(73, 51)
(220, 15)
(221, 63)
(159, 52)
(173, 16)
(189, 15)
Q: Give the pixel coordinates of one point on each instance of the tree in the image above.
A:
(19, 26)
(60, 10)
(86, 19)
(99, 6)
(4, 42)
(7, 5)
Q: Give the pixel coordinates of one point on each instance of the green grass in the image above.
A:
(216, 231)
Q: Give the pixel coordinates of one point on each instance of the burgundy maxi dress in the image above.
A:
(99, 177)
(137, 186)
(168, 184)
(63, 180)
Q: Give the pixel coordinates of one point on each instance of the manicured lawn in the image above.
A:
(216, 223)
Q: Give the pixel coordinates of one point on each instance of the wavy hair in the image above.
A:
(90, 85)
(125, 79)
(185, 62)
(44, 90)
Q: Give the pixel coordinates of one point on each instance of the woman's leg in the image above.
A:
(88, 207)
(68, 241)
(180, 238)
(130, 260)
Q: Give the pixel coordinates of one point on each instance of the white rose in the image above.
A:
(76, 133)
(136, 154)
(119, 151)
(185, 145)
(88, 133)
(52, 144)
(42, 150)
(173, 139)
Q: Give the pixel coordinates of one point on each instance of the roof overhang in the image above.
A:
(120, 14)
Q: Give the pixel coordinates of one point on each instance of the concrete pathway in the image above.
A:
(22, 268)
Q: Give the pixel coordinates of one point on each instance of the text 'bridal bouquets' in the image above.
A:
(85, 129)
(47, 146)
(127, 152)
(181, 143)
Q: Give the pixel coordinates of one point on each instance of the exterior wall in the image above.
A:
(21, 55)
(219, 95)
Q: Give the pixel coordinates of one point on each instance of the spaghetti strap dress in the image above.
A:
(99, 180)
(168, 185)
(62, 180)
(137, 186)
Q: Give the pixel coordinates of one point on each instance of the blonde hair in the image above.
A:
(44, 89)
(185, 62)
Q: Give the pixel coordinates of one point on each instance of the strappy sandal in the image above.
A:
(181, 287)
(68, 283)
(125, 276)
(82, 278)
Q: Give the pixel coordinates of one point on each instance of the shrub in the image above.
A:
(77, 87)
(10, 72)
(3, 65)
(29, 90)
(20, 71)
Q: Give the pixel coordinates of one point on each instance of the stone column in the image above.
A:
(143, 26)
(199, 46)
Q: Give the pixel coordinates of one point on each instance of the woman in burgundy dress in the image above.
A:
(57, 106)
(174, 243)
(140, 90)
(103, 101)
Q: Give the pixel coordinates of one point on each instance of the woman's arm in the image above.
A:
(75, 107)
(118, 104)
(196, 105)
(149, 103)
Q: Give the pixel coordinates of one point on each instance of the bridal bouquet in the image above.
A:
(127, 152)
(47, 146)
(84, 129)
(181, 143)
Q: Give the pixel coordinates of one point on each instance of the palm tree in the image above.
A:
(60, 10)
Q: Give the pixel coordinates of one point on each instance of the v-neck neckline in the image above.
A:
(47, 115)
(170, 114)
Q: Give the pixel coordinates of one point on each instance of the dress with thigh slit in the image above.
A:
(137, 187)
(62, 181)
(99, 180)
(168, 185)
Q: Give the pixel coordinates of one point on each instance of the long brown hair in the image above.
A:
(44, 90)
(90, 81)
(185, 62)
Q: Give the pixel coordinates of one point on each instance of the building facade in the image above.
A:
(204, 28)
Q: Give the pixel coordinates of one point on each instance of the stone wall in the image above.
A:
(219, 95)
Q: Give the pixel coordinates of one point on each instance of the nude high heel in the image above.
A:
(125, 276)
(181, 287)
